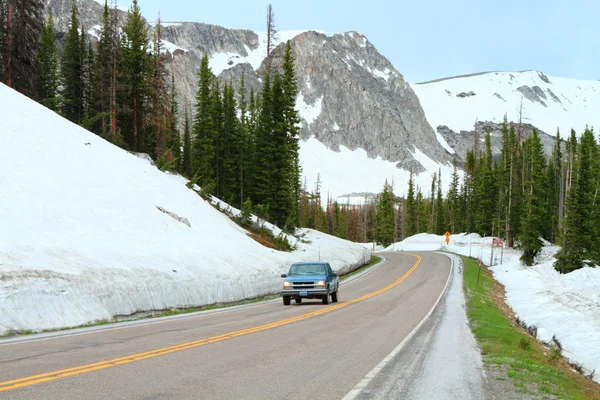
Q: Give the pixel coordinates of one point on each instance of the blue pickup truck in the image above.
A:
(310, 280)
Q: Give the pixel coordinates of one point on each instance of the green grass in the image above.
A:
(529, 363)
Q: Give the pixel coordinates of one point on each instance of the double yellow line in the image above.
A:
(64, 373)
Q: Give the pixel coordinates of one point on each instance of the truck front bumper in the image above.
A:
(305, 294)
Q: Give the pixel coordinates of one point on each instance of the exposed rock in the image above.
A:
(543, 77)
(465, 94)
(535, 94)
(500, 97)
(553, 96)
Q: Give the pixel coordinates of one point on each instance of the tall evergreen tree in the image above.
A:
(570, 256)
(186, 162)
(173, 141)
(263, 183)
(21, 28)
(440, 223)
(106, 73)
(535, 204)
(134, 68)
(411, 208)
(72, 71)
(385, 216)
(49, 77)
(486, 190)
(453, 201)
(203, 131)
(291, 122)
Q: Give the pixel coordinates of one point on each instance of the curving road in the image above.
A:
(263, 351)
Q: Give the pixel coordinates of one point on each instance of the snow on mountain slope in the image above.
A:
(549, 102)
(83, 239)
(346, 175)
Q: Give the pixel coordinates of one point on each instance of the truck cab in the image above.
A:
(310, 280)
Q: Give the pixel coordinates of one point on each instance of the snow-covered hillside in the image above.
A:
(85, 235)
(549, 102)
(567, 306)
(346, 175)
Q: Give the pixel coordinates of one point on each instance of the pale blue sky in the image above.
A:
(430, 39)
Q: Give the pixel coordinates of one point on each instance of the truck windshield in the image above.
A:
(307, 269)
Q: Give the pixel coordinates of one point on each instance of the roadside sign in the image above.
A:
(447, 234)
(497, 242)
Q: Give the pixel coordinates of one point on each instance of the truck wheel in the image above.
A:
(334, 297)
(298, 300)
(286, 300)
(326, 299)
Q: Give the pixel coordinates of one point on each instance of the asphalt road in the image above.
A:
(264, 351)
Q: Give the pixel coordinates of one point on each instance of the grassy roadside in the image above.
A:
(510, 352)
(176, 311)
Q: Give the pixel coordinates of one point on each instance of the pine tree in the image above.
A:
(90, 119)
(158, 135)
(245, 142)
(291, 122)
(570, 256)
(49, 78)
(486, 190)
(263, 182)
(411, 209)
(554, 185)
(233, 150)
(218, 135)
(280, 200)
(186, 162)
(106, 73)
(453, 202)
(589, 179)
(534, 205)
(440, 222)
(203, 131)
(173, 141)
(72, 72)
(134, 68)
(385, 216)
(21, 26)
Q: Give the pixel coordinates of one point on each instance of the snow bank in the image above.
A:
(567, 306)
(89, 231)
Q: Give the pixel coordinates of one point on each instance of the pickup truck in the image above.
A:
(310, 280)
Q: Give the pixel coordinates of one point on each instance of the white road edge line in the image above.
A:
(356, 391)
(159, 320)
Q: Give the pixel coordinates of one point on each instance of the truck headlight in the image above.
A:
(287, 285)
(320, 285)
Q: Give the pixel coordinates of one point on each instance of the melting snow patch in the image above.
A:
(385, 74)
(95, 31)
(165, 24)
(336, 126)
(309, 112)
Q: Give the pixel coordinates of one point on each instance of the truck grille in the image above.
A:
(304, 285)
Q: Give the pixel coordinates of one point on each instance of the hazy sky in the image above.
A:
(429, 39)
